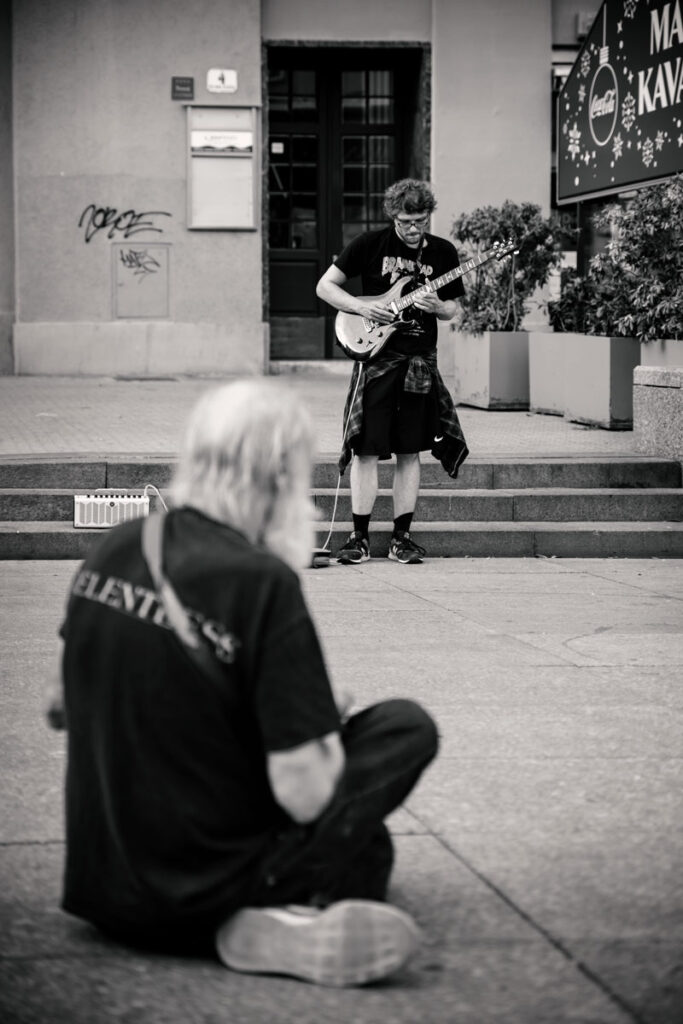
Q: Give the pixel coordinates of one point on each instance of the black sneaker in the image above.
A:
(402, 549)
(354, 551)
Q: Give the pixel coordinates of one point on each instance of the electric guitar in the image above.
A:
(362, 339)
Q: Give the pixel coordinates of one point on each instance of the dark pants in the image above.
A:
(348, 852)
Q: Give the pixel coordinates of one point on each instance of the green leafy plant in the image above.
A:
(645, 258)
(634, 288)
(497, 294)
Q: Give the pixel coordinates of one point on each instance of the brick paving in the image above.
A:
(103, 415)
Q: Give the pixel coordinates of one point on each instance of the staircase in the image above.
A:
(625, 507)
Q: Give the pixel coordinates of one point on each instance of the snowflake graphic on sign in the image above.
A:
(628, 111)
(574, 136)
(630, 7)
(660, 139)
(617, 145)
(647, 152)
(585, 63)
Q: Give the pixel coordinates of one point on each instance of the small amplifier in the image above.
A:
(104, 508)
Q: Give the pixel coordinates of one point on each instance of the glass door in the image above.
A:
(337, 138)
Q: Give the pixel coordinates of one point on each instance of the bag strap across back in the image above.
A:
(186, 631)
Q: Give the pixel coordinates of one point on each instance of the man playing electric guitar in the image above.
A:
(397, 402)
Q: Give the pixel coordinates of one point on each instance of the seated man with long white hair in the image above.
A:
(222, 802)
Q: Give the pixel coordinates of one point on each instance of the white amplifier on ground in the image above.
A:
(104, 508)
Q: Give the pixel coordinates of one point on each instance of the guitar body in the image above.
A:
(363, 339)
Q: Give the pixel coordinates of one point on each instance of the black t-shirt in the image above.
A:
(381, 258)
(168, 801)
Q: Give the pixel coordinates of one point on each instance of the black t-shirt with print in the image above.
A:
(381, 258)
(168, 803)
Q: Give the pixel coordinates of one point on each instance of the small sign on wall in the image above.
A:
(221, 80)
(182, 88)
(140, 280)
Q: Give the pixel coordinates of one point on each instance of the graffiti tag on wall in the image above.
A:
(126, 224)
(139, 261)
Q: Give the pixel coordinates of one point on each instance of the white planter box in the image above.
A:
(666, 352)
(598, 380)
(546, 372)
(492, 369)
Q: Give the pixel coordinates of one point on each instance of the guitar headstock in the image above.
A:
(502, 249)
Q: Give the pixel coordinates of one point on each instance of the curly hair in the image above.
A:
(408, 196)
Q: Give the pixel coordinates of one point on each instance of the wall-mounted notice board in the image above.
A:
(222, 146)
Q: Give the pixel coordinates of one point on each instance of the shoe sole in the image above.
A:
(416, 560)
(350, 943)
(346, 560)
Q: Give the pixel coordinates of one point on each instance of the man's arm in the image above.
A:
(330, 290)
(304, 778)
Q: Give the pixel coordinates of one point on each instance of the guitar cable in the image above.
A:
(324, 553)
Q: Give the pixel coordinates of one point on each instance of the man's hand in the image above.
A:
(429, 302)
(54, 709)
(375, 311)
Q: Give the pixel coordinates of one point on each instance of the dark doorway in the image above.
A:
(342, 125)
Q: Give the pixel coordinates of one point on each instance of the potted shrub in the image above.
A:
(645, 257)
(628, 309)
(491, 349)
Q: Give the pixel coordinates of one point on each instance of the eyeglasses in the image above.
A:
(412, 223)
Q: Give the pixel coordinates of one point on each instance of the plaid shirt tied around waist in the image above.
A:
(450, 449)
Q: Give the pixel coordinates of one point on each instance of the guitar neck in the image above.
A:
(451, 275)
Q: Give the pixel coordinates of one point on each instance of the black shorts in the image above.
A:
(395, 420)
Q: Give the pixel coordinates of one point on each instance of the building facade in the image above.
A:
(175, 177)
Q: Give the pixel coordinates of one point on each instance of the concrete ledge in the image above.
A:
(658, 410)
(137, 348)
(659, 376)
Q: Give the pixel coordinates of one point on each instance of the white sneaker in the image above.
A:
(352, 942)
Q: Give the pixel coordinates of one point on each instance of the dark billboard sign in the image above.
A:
(620, 111)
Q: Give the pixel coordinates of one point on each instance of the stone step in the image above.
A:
(87, 473)
(58, 540)
(434, 505)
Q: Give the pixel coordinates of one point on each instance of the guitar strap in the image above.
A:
(192, 640)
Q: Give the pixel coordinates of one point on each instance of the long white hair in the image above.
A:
(246, 461)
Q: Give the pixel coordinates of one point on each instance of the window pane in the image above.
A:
(304, 207)
(305, 235)
(380, 83)
(279, 147)
(278, 178)
(353, 83)
(279, 235)
(278, 82)
(305, 149)
(354, 208)
(354, 179)
(353, 110)
(381, 149)
(279, 108)
(379, 177)
(376, 212)
(279, 207)
(303, 83)
(354, 149)
(305, 106)
(381, 111)
(349, 232)
(305, 179)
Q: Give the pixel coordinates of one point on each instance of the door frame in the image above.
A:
(418, 151)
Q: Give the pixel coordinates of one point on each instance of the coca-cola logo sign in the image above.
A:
(602, 105)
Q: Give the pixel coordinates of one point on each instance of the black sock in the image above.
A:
(361, 525)
(402, 523)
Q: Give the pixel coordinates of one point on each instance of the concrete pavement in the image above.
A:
(542, 851)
